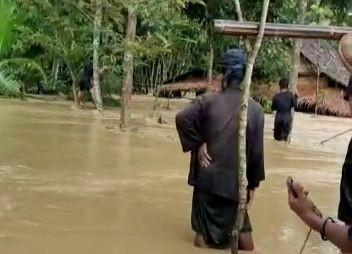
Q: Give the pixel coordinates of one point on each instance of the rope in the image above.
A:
(305, 241)
(319, 213)
(316, 211)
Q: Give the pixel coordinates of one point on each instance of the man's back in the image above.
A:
(215, 120)
(283, 102)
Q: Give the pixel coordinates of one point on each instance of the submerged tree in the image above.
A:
(96, 90)
(242, 151)
(128, 67)
(296, 53)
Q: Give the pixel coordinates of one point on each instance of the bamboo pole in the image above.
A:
(250, 29)
(240, 18)
(317, 84)
(296, 54)
(210, 64)
(242, 154)
(335, 136)
(317, 91)
(211, 48)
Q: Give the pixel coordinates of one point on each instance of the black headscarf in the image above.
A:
(233, 65)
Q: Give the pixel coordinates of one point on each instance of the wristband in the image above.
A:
(323, 228)
(350, 233)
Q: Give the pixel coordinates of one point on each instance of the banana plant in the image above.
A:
(8, 83)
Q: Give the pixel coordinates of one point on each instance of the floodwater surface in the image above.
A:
(71, 183)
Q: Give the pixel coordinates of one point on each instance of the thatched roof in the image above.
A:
(323, 55)
(185, 86)
(330, 100)
(329, 103)
(192, 85)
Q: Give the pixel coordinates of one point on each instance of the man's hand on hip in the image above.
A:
(203, 156)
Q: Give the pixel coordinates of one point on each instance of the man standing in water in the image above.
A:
(283, 103)
(345, 206)
(208, 129)
(85, 83)
(339, 235)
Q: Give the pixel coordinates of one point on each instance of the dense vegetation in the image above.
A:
(45, 43)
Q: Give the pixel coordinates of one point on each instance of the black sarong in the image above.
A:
(282, 127)
(85, 85)
(214, 216)
(283, 103)
(345, 206)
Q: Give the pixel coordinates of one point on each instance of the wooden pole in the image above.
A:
(317, 91)
(242, 127)
(335, 136)
(250, 29)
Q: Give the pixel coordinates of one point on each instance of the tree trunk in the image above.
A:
(96, 90)
(296, 53)
(317, 86)
(211, 48)
(23, 90)
(55, 69)
(74, 92)
(168, 106)
(128, 68)
(240, 18)
(317, 92)
(242, 152)
(210, 65)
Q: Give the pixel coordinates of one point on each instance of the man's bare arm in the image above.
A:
(304, 208)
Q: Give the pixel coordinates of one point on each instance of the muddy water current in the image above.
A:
(71, 183)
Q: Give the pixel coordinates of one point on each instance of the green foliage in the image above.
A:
(320, 14)
(273, 61)
(111, 84)
(7, 9)
(8, 84)
(173, 38)
(8, 78)
(267, 106)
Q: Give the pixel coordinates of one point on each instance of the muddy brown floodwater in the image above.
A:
(71, 183)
